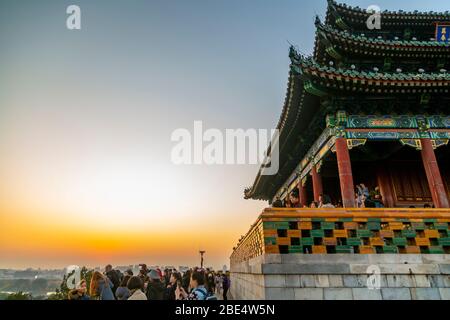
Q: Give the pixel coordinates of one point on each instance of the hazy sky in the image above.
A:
(86, 117)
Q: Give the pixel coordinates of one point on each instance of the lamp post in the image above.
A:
(201, 258)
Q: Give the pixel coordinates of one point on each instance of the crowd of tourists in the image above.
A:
(364, 198)
(293, 201)
(153, 284)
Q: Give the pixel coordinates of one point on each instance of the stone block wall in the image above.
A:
(341, 277)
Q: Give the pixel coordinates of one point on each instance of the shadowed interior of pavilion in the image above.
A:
(398, 171)
(405, 156)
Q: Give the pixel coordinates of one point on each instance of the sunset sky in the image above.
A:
(86, 119)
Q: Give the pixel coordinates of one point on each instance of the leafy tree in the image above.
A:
(57, 296)
(63, 291)
(19, 296)
(3, 296)
(86, 274)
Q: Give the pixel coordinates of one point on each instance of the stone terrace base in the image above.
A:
(341, 277)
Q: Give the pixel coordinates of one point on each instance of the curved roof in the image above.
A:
(295, 118)
(311, 84)
(356, 16)
(309, 67)
(309, 80)
(347, 42)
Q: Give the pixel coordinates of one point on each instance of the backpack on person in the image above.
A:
(206, 294)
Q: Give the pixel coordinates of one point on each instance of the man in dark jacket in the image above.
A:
(225, 285)
(113, 276)
(210, 282)
(155, 287)
(171, 287)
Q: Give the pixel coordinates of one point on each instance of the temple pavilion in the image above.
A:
(369, 106)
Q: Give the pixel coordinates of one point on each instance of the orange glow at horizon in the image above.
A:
(57, 244)
(64, 201)
(95, 210)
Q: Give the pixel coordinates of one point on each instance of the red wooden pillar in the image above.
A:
(434, 178)
(345, 173)
(317, 183)
(386, 191)
(302, 194)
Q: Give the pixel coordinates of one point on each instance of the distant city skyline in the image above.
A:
(86, 118)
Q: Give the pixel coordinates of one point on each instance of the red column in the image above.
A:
(317, 183)
(434, 178)
(302, 194)
(345, 173)
(385, 188)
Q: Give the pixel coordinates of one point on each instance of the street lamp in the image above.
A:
(201, 258)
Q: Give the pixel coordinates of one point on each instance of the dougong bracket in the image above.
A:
(353, 143)
(415, 143)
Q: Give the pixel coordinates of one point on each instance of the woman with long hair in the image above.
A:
(101, 287)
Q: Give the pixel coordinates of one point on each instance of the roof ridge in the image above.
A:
(310, 63)
(363, 38)
(334, 4)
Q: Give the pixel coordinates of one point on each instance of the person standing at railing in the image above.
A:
(376, 198)
(325, 201)
(362, 193)
(294, 199)
(278, 204)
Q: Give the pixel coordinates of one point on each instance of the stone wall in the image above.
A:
(346, 231)
(341, 277)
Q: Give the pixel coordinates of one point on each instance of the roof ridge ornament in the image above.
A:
(317, 21)
(294, 55)
(421, 14)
